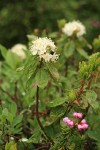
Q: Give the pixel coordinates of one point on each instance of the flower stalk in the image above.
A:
(37, 116)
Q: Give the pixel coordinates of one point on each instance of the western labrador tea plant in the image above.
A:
(50, 91)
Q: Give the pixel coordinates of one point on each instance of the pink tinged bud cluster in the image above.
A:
(83, 125)
(69, 122)
(77, 115)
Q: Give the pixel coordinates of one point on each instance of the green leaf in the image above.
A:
(82, 53)
(11, 146)
(94, 135)
(3, 51)
(50, 131)
(53, 71)
(61, 23)
(69, 49)
(58, 101)
(50, 120)
(58, 111)
(30, 66)
(10, 117)
(17, 119)
(42, 78)
(5, 112)
(53, 35)
(71, 95)
(35, 138)
(91, 97)
(96, 43)
(12, 59)
(13, 108)
(30, 81)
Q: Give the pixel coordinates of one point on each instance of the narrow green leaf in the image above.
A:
(30, 66)
(53, 71)
(82, 53)
(42, 78)
(3, 51)
(69, 49)
(17, 120)
(10, 117)
(13, 108)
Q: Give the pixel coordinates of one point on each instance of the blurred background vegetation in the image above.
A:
(20, 17)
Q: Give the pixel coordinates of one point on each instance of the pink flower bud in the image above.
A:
(82, 127)
(65, 119)
(77, 115)
(79, 127)
(85, 126)
(69, 122)
(83, 121)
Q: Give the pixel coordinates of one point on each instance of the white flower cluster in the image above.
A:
(74, 28)
(18, 49)
(45, 49)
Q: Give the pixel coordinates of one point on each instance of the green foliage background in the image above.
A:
(20, 17)
(72, 84)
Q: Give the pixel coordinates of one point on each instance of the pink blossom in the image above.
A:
(65, 119)
(83, 121)
(77, 115)
(69, 122)
(82, 127)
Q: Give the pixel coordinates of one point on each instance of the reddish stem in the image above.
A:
(37, 115)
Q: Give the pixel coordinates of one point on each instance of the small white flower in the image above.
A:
(12, 138)
(23, 93)
(23, 140)
(74, 28)
(47, 57)
(45, 49)
(54, 57)
(18, 49)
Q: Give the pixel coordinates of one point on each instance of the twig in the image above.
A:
(7, 93)
(79, 93)
(81, 89)
(37, 115)
(90, 81)
(16, 91)
(43, 146)
(14, 136)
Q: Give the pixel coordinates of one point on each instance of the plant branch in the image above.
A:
(37, 115)
(15, 137)
(90, 81)
(16, 91)
(5, 92)
(81, 90)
